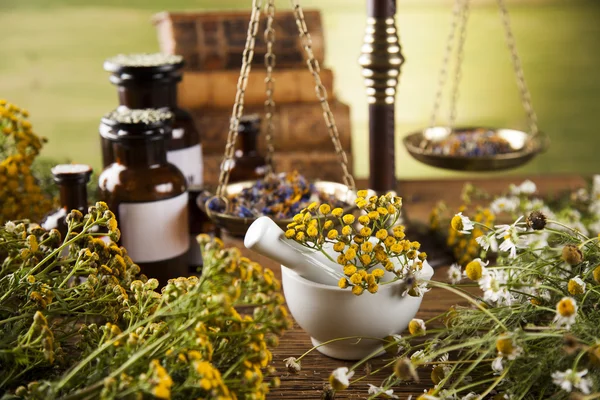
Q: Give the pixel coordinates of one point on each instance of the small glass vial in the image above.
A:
(72, 180)
(150, 81)
(147, 193)
(247, 163)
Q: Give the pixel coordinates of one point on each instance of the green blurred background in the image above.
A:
(52, 53)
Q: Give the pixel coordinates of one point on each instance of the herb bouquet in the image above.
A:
(533, 332)
(79, 321)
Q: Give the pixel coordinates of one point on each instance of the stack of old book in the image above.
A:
(212, 46)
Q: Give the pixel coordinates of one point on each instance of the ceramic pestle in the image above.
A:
(268, 239)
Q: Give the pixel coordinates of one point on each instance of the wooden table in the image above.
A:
(419, 197)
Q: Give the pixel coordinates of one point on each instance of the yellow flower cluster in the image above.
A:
(465, 247)
(367, 245)
(20, 195)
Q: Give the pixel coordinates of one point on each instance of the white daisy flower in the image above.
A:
(570, 379)
(504, 204)
(10, 226)
(576, 286)
(454, 274)
(493, 284)
(340, 378)
(566, 312)
(418, 355)
(461, 223)
(487, 242)
(506, 350)
(292, 365)
(527, 187)
(386, 394)
(510, 234)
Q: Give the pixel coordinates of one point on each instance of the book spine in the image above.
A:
(297, 127)
(321, 165)
(210, 41)
(217, 89)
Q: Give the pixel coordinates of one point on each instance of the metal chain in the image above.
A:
(460, 51)
(443, 74)
(238, 106)
(269, 83)
(516, 61)
(314, 68)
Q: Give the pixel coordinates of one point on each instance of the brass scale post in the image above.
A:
(381, 59)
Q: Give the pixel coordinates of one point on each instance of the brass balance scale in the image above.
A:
(381, 60)
(218, 207)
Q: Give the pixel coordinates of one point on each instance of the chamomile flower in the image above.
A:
(504, 204)
(461, 223)
(487, 242)
(292, 365)
(576, 286)
(417, 327)
(510, 234)
(454, 274)
(566, 312)
(506, 350)
(384, 393)
(475, 270)
(569, 379)
(340, 378)
(527, 187)
(493, 284)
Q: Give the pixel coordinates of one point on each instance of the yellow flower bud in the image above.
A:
(372, 287)
(312, 231)
(365, 259)
(324, 209)
(328, 224)
(343, 283)
(357, 290)
(364, 220)
(332, 234)
(373, 215)
(290, 233)
(381, 234)
(339, 246)
(346, 230)
(337, 212)
(313, 206)
(350, 254)
(348, 219)
(365, 231)
(356, 278)
(349, 270)
(366, 247)
(362, 193)
(596, 274)
(300, 236)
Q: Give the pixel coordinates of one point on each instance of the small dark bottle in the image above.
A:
(147, 193)
(150, 81)
(72, 180)
(247, 163)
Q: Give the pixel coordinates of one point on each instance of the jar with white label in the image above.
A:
(147, 193)
(150, 81)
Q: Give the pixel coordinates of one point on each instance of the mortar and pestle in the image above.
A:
(324, 310)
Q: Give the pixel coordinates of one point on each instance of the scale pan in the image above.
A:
(522, 148)
(237, 226)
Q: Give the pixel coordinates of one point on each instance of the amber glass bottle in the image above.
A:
(72, 180)
(147, 193)
(150, 81)
(248, 164)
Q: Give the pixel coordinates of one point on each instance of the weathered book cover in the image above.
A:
(216, 40)
(297, 127)
(218, 88)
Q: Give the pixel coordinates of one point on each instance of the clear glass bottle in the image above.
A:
(72, 180)
(247, 163)
(147, 193)
(150, 81)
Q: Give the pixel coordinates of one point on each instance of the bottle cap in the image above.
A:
(144, 67)
(71, 173)
(249, 124)
(125, 123)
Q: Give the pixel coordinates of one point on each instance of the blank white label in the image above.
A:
(155, 231)
(189, 162)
